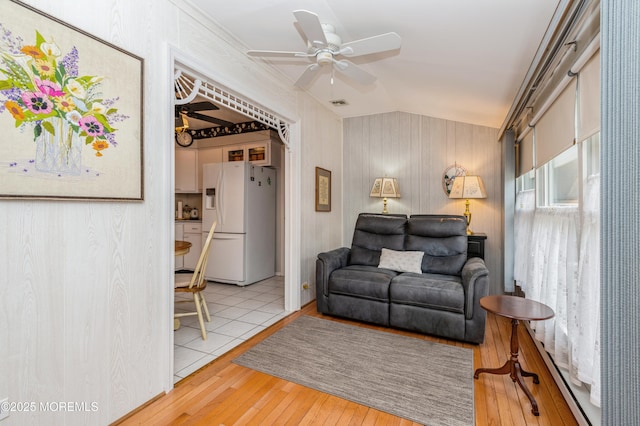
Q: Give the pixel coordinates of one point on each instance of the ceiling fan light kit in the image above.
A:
(325, 45)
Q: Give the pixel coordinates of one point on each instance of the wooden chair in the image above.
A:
(195, 283)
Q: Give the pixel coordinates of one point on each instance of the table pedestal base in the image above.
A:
(514, 369)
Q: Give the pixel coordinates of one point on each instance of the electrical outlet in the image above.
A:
(4, 408)
(305, 285)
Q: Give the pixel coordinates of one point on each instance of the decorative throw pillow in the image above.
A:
(401, 261)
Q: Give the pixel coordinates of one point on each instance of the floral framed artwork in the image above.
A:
(70, 111)
(323, 190)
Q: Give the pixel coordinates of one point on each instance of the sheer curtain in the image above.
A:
(584, 324)
(557, 263)
(523, 222)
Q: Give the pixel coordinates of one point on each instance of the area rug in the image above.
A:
(426, 382)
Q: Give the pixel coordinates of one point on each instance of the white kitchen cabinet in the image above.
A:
(206, 156)
(264, 153)
(179, 236)
(234, 153)
(192, 234)
(186, 170)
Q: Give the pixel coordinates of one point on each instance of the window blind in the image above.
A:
(589, 98)
(525, 154)
(555, 132)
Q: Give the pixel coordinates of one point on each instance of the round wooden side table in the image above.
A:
(517, 309)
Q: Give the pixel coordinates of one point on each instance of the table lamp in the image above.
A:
(467, 187)
(385, 187)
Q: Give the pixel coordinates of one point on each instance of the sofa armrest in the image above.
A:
(475, 280)
(326, 263)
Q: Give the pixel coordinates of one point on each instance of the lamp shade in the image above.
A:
(467, 187)
(385, 188)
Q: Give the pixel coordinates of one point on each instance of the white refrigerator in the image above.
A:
(242, 199)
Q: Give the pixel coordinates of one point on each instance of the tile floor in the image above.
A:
(237, 313)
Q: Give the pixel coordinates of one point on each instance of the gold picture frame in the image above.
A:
(71, 115)
(323, 190)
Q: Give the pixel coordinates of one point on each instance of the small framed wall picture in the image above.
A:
(323, 190)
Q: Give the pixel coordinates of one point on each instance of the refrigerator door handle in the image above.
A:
(219, 211)
(217, 237)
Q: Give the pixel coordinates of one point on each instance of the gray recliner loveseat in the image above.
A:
(406, 272)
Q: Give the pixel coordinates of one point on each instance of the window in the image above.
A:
(557, 180)
(591, 156)
(526, 182)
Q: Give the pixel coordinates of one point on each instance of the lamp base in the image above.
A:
(467, 215)
(384, 209)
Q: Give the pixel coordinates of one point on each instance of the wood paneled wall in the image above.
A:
(86, 288)
(416, 150)
(322, 231)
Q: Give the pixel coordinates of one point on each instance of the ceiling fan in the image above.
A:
(326, 47)
(183, 112)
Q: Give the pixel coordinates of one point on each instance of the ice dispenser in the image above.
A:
(210, 198)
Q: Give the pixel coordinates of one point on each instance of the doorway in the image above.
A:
(238, 312)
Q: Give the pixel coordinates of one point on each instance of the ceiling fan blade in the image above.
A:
(201, 106)
(214, 120)
(308, 75)
(354, 72)
(311, 26)
(277, 53)
(181, 121)
(375, 44)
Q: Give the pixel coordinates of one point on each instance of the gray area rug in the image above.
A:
(426, 382)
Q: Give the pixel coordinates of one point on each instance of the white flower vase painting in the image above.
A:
(85, 126)
(59, 151)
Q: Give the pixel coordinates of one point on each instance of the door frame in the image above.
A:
(292, 178)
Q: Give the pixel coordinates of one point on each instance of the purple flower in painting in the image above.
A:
(37, 102)
(110, 102)
(13, 44)
(12, 94)
(115, 118)
(111, 137)
(70, 62)
(91, 126)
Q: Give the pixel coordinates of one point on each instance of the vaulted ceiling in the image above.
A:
(461, 60)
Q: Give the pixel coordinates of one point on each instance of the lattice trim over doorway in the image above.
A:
(188, 86)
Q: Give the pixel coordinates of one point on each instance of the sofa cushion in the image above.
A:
(372, 233)
(401, 261)
(368, 282)
(434, 291)
(443, 239)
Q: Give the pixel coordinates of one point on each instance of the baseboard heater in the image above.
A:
(566, 391)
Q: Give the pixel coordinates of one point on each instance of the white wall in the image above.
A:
(416, 150)
(86, 287)
(321, 231)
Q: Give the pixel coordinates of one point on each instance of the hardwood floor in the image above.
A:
(225, 393)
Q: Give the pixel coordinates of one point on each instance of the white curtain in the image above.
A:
(552, 274)
(523, 222)
(557, 263)
(584, 324)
